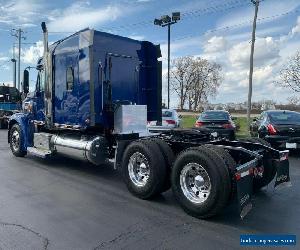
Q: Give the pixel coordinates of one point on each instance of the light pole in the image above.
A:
(168, 21)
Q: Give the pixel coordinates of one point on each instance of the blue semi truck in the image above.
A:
(93, 97)
(10, 103)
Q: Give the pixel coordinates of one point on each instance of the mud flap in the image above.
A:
(244, 180)
(282, 176)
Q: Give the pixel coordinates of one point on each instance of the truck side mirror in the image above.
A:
(26, 81)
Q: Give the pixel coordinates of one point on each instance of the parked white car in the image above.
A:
(170, 120)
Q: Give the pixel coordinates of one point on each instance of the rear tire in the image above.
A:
(269, 168)
(144, 169)
(201, 182)
(169, 157)
(231, 166)
(16, 140)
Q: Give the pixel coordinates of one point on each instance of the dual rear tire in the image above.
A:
(144, 169)
(201, 182)
(200, 178)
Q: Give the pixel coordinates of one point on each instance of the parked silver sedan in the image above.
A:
(170, 120)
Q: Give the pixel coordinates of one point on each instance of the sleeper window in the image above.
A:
(70, 78)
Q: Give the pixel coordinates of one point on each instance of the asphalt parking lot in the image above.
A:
(67, 204)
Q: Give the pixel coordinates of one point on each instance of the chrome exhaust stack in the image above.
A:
(47, 58)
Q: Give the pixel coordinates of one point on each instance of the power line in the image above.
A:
(186, 15)
(234, 26)
(190, 14)
(214, 9)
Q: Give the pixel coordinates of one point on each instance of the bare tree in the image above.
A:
(194, 80)
(181, 77)
(207, 79)
(290, 74)
(293, 100)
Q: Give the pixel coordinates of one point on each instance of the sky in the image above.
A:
(218, 30)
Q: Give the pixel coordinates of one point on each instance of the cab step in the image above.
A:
(38, 152)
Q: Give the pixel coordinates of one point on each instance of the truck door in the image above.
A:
(122, 74)
(66, 89)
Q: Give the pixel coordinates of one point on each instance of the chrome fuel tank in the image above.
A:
(93, 149)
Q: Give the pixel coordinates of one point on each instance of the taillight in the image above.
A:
(198, 124)
(271, 129)
(227, 125)
(170, 121)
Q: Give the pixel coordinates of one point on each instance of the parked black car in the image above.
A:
(218, 121)
(281, 128)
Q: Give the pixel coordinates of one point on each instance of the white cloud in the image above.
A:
(21, 13)
(32, 54)
(266, 51)
(296, 29)
(80, 15)
(4, 58)
(215, 44)
(261, 75)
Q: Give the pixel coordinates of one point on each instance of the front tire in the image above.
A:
(16, 141)
(144, 169)
(201, 182)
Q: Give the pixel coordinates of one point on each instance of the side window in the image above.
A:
(70, 78)
(38, 83)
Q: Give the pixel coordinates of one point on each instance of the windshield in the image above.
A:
(167, 113)
(215, 116)
(285, 117)
(9, 94)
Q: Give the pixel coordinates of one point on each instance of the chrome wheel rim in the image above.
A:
(195, 183)
(138, 169)
(15, 140)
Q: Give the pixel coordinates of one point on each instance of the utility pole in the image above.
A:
(14, 68)
(18, 34)
(256, 3)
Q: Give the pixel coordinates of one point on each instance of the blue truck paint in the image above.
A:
(130, 66)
